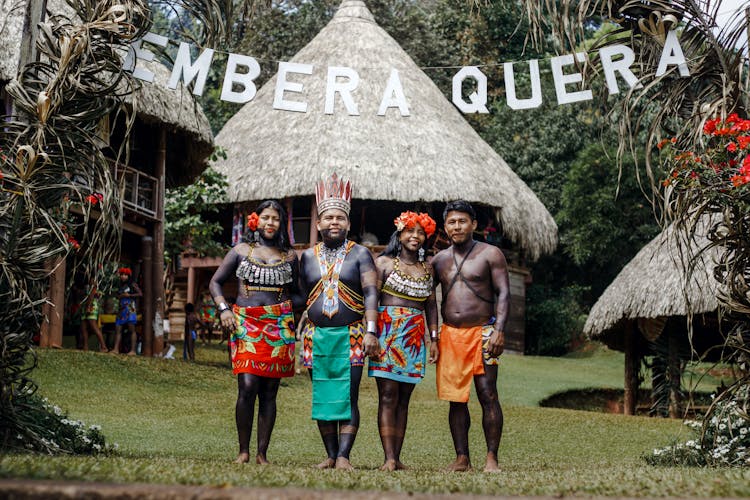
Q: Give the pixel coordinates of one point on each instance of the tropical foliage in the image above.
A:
(706, 140)
(187, 226)
(54, 179)
(58, 194)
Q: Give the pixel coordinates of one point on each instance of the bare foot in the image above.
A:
(460, 464)
(328, 463)
(400, 466)
(390, 465)
(261, 460)
(242, 458)
(131, 353)
(343, 464)
(491, 465)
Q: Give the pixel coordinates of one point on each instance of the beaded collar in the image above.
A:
(255, 272)
(402, 285)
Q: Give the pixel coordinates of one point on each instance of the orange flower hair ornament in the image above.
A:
(410, 219)
(252, 221)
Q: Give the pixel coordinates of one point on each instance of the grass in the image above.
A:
(174, 424)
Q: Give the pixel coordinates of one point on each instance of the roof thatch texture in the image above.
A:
(654, 285)
(155, 102)
(432, 155)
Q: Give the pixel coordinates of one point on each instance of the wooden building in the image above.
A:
(395, 162)
(168, 146)
(650, 302)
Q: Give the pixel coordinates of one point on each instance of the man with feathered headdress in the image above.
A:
(341, 283)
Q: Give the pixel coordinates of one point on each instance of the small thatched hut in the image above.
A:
(649, 303)
(395, 162)
(168, 145)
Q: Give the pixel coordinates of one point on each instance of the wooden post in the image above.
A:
(631, 370)
(158, 247)
(190, 299)
(34, 14)
(674, 374)
(57, 311)
(147, 313)
(313, 223)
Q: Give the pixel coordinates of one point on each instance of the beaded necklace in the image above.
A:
(405, 286)
(259, 276)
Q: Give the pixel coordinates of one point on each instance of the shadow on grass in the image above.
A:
(607, 400)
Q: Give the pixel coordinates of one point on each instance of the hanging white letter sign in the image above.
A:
(137, 52)
(185, 69)
(477, 99)
(561, 79)
(394, 97)
(284, 86)
(510, 87)
(344, 88)
(672, 55)
(245, 80)
(611, 68)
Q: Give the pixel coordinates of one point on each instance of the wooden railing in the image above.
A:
(141, 194)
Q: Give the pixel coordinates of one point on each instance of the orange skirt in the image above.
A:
(462, 356)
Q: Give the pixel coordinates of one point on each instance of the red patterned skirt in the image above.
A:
(263, 343)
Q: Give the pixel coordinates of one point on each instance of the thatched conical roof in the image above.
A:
(176, 109)
(654, 285)
(432, 155)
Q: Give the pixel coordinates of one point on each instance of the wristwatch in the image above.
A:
(223, 307)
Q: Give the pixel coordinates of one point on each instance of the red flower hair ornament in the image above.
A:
(410, 219)
(125, 270)
(252, 221)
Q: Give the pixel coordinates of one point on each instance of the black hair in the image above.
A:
(282, 235)
(394, 245)
(189, 307)
(459, 206)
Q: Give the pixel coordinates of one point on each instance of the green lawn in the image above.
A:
(174, 423)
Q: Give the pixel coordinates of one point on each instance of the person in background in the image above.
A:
(127, 314)
(192, 324)
(90, 317)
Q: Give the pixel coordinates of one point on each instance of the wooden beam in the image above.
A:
(158, 234)
(57, 311)
(313, 223)
(674, 374)
(147, 313)
(35, 11)
(632, 362)
(190, 299)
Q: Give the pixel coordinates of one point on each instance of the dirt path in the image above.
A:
(63, 490)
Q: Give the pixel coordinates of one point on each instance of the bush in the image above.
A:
(554, 320)
(722, 438)
(47, 429)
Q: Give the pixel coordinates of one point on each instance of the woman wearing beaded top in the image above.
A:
(261, 323)
(406, 295)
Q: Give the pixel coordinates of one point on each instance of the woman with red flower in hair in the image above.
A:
(406, 295)
(261, 323)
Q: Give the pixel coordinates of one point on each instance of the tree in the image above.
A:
(50, 160)
(186, 226)
(710, 169)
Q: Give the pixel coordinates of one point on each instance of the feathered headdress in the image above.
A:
(333, 193)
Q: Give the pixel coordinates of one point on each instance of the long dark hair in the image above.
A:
(394, 245)
(282, 235)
